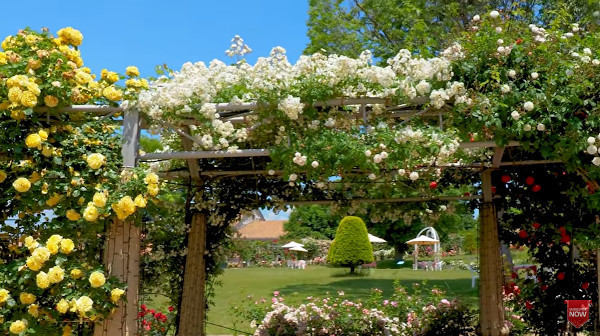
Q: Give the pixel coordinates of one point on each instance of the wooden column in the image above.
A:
(122, 260)
(193, 302)
(491, 310)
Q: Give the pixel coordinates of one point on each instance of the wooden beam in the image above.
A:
(131, 138)
(388, 200)
(193, 166)
(487, 144)
(204, 154)
(498, 154)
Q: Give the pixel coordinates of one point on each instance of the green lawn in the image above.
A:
(317, 281)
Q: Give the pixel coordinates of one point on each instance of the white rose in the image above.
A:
(500, 41)
(372, 176)
(592, 149)
(587, 51)
(500, 49)
(595, 62)
(527, 128)
(271, 172)
(596, 160)
(293, 177)
(476, 18)
(534, 75)
(384, 155)
(515, 115)
(591, 140)
(414, 176)
(528, 106)
(377, 158)
(494, 14)
(368, 152)
(498, 30)
(541, 127)
(505, 88)
(401, 172)
(314, 164)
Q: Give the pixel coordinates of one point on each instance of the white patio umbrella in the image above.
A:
(375, 239)
(292, 244)
(420, 240)
(299, 249)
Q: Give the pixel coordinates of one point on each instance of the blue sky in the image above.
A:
(146, 33)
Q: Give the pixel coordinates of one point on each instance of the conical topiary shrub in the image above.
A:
(351, 246)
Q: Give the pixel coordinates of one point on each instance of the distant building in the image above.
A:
(263, 230)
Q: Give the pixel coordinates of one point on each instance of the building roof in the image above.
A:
(263, 230)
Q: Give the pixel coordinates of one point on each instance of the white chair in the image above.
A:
(290, 264)
(301, 264)
(474, 275)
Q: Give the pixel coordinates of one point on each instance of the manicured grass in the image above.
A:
(317, 281)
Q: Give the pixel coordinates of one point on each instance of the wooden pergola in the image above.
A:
(122, 252)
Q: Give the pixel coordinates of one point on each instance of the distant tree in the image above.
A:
(470, 243)
(149, 144)
(351, 246)
(314, 221)
(347, 27)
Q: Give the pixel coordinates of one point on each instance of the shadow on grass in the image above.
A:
(360, 287)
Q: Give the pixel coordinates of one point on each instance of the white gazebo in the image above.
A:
(427, 236)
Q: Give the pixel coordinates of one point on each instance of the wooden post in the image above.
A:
(122, 260)
(491, 310)
(193, 302)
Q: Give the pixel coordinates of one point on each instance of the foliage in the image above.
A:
(349, 27)
(314, 221)
(470, 243)
(351, 246)
(49, 291)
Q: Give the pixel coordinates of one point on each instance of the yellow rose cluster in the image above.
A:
(23, 91)
(95, 160)
(70, 36)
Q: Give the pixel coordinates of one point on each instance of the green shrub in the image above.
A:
(351, 246)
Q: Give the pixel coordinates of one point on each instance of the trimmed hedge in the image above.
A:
(351, 246)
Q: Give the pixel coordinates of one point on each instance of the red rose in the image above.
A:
(493, 190)
(433, 185)
(513, 275)
(523, 234)
(528, 304)
(536, 188)
(585, 285)
(519, 41)
(505, 178)
(529, 180)
(544, 287)
(560, 276)
(536, 225)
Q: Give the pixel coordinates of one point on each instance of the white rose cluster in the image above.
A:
(299, 159)
(291, 106)
(592, 149)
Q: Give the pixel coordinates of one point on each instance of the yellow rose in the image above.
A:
(84, 304)
(90, 213)
(22, 184)
(97, 279)
(31, 243)
(3, 59)
(62, 306)
(34, 177)
(140, 201)
(73, 215)
(56, 274)
(43, 135)
(112, 77)
(53, 248)
(4, 295)
(54, 239)
(54, 199)
(67, 331)
(50, 101)
(28, 99)
(151, 178)
(33, 310)
(33, 87)
(70, 36)
(17, 114)
(42, 280)
(2, 176)
(17, 327)
(33, 141)
(153, 189)
(83, 78)
(132, 71)
(99, 199)
(47, 151)
(66, 246)
(26, 298)
(76, 273)
(112, 93)
(115, 294)
(124, 208)
(33, 264)
(95, 160)
(41, 254)
(14, 95)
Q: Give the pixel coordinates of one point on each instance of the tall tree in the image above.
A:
(347, 27)
(314, 221)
